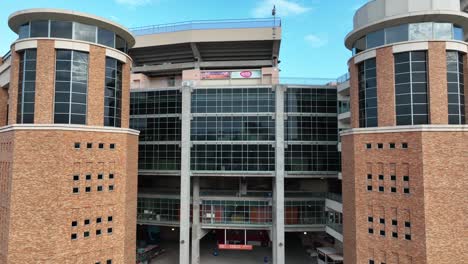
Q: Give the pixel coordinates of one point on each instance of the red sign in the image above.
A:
(216, 75)
(235, 247)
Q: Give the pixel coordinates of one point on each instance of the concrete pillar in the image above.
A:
(278, 189)
(196, 230)
(184, 255)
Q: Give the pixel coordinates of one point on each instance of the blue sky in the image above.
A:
(313, 30)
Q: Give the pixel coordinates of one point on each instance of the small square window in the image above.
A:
(394, 222)
(109, 219)
(87, 222)
(395, 234)
(77, 145)
(393, 177)
(370, 219)
(111, 188)
(97, 263)
(88, 189)
(393, 189)
(382, 232)
(100, 176)
(391, 145)
(379, 145)
(408, 237)
(404, 145)
(369, 176)
(88, 177)
(382, 220)
(109, 230)
(405, 178)
(368, 146)
(381, 189)
(406, 190)
(101, 145)
(89, 145)
(109, 261)
(112, 146)
(76, 177)
(371, 261)
(74, 236)
(371, 231)
(86, 234)
(74, 223)
(99, 188)
(369, 187)
(381, 177)
(98, 220)
(111, 175)
(76, 190)
(407, 224)
(98, 232)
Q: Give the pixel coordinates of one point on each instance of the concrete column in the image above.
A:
(278, 189)
(196, 230)
(184, 255)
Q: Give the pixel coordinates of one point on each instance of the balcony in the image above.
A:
(343, 84)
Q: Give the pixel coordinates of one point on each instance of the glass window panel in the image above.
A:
(120, 44)
(85, 32)
(458, 33)
(39, 28)
(442, 31)
(420, 31)
(61, 29)
(375, 39)
(396, 34)
(106, 37)
(23, 31)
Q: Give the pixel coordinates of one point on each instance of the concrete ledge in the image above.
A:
(69, 45)
(26, 44)
(76, 128)
(410, 47)
(365, 55)
(401, 129)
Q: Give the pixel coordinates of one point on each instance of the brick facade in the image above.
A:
(385, 87)
(39, 204)
(437, 83)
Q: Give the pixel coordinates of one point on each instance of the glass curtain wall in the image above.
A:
(26, 87)
(113, 93)
(233, 129)
(411, 88)
(368, 93)
(71, 87)
(157, 115)
(311, 130)
(456, 88)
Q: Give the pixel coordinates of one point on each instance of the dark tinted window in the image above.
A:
(106, 37)
(23, 31)
(367, 94)
(26, 87)
(39, 28)
(61, 29)
(456, 88)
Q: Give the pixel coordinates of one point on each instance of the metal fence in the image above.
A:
(343, 78)
(207, 24)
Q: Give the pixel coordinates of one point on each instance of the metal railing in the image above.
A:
(343, 78)
(305, 81)
(6, 56)
(207, 24)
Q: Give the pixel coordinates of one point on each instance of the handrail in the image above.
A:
(343, 78)
(207, 24)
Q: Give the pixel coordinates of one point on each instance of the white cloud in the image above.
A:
(316, 41)
(283, 8)
(133, 3)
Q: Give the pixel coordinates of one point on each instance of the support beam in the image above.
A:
(184, 241)
(196, 54)
(196, 230)
(203, 64)
(278, 189)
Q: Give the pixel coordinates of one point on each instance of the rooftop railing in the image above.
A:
(343, 78)
(306, 81)
(207, 24)
(6, 56)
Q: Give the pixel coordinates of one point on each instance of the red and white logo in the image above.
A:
(246, 74)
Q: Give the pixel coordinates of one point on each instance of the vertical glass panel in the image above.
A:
(442, 31)
(113, 94)
(23, 31)
(26, 87)
(39, 28)
(455, 88)
(71, 81)
(85, 32)
(106, 37)
(420, 31)
(396, 34)
(120, 44)
(61, 29)
(458, 33)
(375, 39)
(367, 94)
